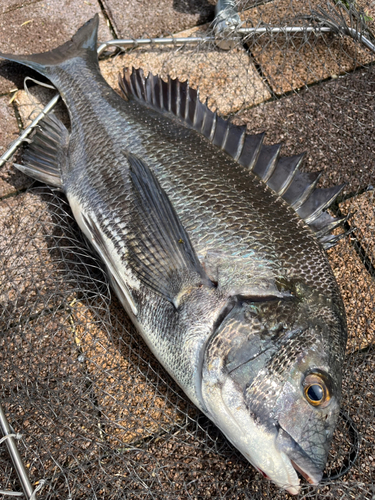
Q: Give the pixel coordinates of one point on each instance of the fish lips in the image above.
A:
(300, 460)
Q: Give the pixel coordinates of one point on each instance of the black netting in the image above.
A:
(98, 415)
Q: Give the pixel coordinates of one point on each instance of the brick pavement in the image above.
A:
(234, 83)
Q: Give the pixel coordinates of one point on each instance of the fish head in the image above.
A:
(271, 381)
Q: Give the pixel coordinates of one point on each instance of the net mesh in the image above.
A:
(99, 417)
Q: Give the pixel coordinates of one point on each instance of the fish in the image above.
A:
(215, 245)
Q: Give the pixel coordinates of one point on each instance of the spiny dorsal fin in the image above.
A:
(282, 175)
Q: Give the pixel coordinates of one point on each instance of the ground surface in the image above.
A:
(113, 421)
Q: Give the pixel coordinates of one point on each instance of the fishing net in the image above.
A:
(93, 413)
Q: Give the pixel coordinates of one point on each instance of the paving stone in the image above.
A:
(44, 391)
(151, 19)
(369, 11)
(292, 62)
(358, 291)
(229, 80)
(38, 26)
(122, 390)
(31, 103)
(44, 356)
(332, 122)
(26, 266)
(362, 208)
(11, 179)
(38, 268)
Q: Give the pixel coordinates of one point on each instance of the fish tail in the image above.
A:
(83, 44)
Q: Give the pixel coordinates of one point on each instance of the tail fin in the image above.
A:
(83, 44)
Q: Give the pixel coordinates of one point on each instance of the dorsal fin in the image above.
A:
(282, 175)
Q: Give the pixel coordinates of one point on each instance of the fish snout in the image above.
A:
(304, 464)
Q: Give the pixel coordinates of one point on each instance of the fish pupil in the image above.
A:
(315, 393)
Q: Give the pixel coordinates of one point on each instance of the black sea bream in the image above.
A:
(215, 247)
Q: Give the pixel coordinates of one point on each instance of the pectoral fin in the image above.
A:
(159, 249)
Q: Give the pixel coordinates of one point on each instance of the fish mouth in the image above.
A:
(304, 473)
(299, 459)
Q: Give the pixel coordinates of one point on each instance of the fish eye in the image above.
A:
(314, 393)
(315, 390)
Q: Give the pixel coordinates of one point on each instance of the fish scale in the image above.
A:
(245, 195)
(214, 246)
(179, 180)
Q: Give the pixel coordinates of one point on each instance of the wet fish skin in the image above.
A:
(228, 285)
(287, 343)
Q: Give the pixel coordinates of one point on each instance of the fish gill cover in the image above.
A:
(98, 415)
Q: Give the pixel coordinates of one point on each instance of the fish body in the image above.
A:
(214, 246)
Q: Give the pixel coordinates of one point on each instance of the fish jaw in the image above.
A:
(225, 407)
(272, 451)
(298, 458)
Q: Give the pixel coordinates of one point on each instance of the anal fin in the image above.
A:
(46, 157)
